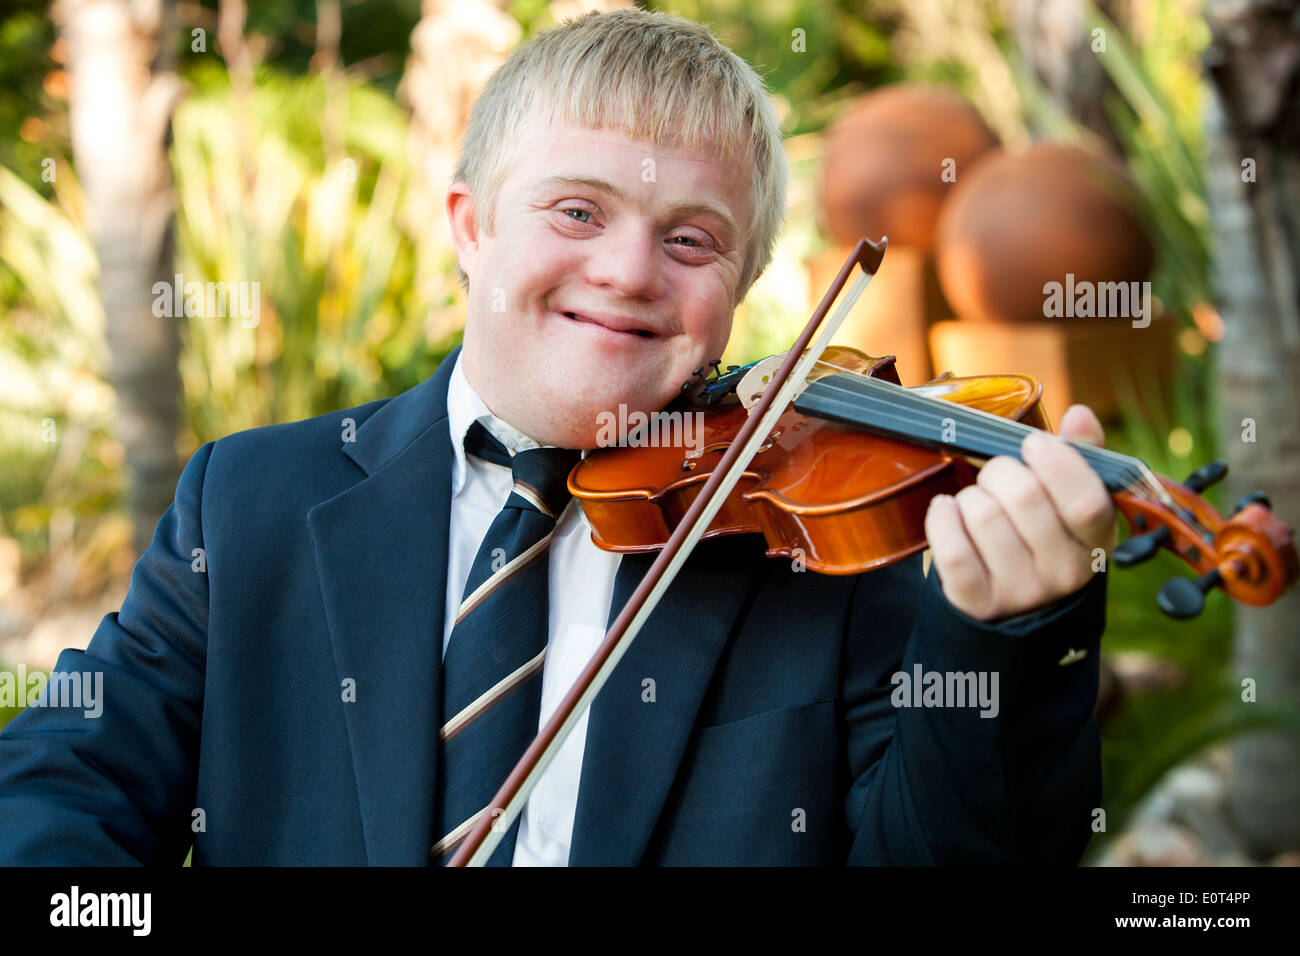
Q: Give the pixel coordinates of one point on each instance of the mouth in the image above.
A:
(616, 324)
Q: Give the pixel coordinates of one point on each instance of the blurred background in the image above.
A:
(300, 149)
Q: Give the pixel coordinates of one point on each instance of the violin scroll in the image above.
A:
(1251, 554)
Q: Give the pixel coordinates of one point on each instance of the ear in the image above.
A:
(463, 220)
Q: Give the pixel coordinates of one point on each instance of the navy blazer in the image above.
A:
(771, 737)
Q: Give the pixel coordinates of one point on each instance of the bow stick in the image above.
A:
(506, 805)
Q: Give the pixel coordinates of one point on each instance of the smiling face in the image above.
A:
(610, 275)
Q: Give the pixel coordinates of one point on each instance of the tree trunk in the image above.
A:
(1253, 120)
(1057, 49)
(455, 47)
(123, 89)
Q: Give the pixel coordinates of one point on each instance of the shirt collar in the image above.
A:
(464, 407)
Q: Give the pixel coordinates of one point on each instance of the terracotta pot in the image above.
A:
(1021, 221)
(884, 162)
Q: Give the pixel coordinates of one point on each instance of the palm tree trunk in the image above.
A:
(454, 49)
(1252, 121)
(1057, 48)
(123, 89)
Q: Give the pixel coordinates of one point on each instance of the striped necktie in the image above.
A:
(491, 673)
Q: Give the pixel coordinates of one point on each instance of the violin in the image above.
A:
(843, 482)
(827, 456)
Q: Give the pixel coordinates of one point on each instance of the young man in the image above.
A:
(350, 672)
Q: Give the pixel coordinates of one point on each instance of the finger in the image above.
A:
(1059, 559)
(1010, 565)
(1077, 492)
(1079, 423)
(963, 575)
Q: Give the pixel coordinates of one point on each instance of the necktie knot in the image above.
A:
(541, 477)
(541, 474)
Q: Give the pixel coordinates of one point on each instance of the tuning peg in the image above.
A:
(1140, 547)
(1185, 597)
(1250, 499)
(1206, 475)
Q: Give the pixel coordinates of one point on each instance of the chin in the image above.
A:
(580, 423)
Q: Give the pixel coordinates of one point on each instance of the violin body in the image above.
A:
(840, 500)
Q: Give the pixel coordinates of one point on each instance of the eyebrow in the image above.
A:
(686, 208)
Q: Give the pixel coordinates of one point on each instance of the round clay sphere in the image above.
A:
(1052, 213)
(893, 158)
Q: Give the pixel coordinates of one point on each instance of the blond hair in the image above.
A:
(652, 76)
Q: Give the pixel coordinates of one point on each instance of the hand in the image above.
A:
(1024, 534)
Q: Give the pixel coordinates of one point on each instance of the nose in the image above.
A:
(628, 260)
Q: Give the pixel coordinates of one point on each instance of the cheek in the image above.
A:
(534, 271)
(710, 320)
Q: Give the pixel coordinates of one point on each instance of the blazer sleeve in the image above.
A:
(118, 788)
(946, 785)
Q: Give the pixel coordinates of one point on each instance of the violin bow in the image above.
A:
(508, 803)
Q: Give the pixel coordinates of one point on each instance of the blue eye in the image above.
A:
(583, 211)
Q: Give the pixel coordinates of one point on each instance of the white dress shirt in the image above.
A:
(581, 587)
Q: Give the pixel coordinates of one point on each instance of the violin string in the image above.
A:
(1005, 436)
(1134, 469)
(1132, 473)
(1004, 429)
(995, 437)
(905, 424)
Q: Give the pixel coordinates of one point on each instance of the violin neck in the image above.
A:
(893, 411)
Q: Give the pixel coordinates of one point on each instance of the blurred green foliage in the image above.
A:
(374, 36)
(344, 314)
(354, 304)
(26, 35)
(811, 56)
(55, 408)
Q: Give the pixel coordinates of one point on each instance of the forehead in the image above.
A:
(558, 155)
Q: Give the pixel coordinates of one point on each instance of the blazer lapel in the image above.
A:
(381, 553)
(633, 745)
